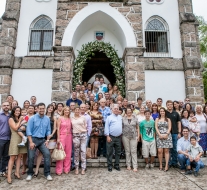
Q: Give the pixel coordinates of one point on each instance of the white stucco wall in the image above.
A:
(169, 12)
(168, 85)
(30, 10)
(32, 82)
(109, 37)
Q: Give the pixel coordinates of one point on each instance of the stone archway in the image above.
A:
(87, 51)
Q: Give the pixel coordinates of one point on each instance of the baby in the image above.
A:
(22, 129)
(96, 83)
(194, 125)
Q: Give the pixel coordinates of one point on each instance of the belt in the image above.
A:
(114, 136)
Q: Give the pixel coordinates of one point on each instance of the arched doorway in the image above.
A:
(99, 63)
(106, 53)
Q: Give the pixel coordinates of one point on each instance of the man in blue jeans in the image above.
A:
(5, 135)
(37, 129)
(182, 146)
(175, 132)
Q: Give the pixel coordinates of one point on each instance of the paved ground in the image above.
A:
(100, 178)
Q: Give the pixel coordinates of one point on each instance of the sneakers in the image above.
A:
(29, 178)
(147, 166)
(188, 172)
(152, 166)
(49, 178)
(21, 144)
(24, 139)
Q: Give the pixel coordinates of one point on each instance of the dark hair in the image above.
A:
(59, 104)
(204, 109)
(33, 97)
(146, 111)
(188, 104)
(193, 137)
(10, 95)
(139, 99)
(12, 113)
(183, 112)
(169, 102)
(154, 104)
(159, 99)
(113, 101)
(122, 110)
(162, 108)
(129, 107)
(32, 106)
(191, 111)
(25, 102)
(99, 94)
(40, 104)
(52, 113)
(177, 103)
(185, 128)
(94, 105)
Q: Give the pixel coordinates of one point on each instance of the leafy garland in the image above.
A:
(87, 51)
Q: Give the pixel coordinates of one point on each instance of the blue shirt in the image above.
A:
(5, 132)
(183, 144)
(103, 88)
(155, 115)
(38, 126)
(113, 125)
(76, 101)
(105, 112)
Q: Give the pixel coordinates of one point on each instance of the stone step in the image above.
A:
(102, 162)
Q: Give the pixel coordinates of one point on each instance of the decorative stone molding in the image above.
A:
(134, 73)
(62, 73)
(191, 52)
(132, 11)
(66, 10)
(8, 37)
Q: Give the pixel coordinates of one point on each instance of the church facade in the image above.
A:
(156, 42)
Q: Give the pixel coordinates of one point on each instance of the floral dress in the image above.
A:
(163, 128)
(98, 125)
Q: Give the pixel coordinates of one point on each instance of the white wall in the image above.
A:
(169, 12)
(30, 10)
(109, 37)
(168, 85)
(29, 82)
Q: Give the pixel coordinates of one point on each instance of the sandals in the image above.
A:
(76, 172)
(23, 172)
(128, 168)
(83, 172)
(17, 177)
(160, 169)
(35, 175)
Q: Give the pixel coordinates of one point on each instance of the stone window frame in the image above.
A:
(40, 53)
(165, 24)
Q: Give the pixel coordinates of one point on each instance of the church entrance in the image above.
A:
(99, 65)
(99, 57)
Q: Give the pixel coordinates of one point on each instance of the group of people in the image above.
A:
(109, 124)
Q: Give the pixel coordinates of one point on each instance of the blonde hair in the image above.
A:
(199, 106)
(63, 111)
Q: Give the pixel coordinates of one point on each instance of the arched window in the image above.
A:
(156, 37)
(41, 35)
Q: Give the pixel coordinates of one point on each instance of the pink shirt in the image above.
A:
(65, 126)
(79, 124)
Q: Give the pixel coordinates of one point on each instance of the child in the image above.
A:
(22, 129)
(194, 151)
(147, 132)
(194, 125)
(96, 82)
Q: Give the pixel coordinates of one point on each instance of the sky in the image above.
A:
(199, 7)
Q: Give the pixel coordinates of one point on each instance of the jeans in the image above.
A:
(4, 157)
(173, 151)
(182, 159)
(198, 165)
(114, 144)
(40, 145)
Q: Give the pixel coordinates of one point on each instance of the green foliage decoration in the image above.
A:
(87, 51)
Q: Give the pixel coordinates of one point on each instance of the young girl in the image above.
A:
(194, 125)
(96, 83)
(22, 129)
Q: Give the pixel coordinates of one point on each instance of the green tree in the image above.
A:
(203, 48)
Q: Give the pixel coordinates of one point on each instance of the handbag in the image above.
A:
(58, 153)
(101, 131)
(88, 153)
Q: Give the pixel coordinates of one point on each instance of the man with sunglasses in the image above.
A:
(5, 135)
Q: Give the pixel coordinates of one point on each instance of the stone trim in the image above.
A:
(8, 37)
(132, 11)
(191, 52)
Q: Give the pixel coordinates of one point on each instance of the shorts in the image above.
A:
(149, 148)
(51, 144)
